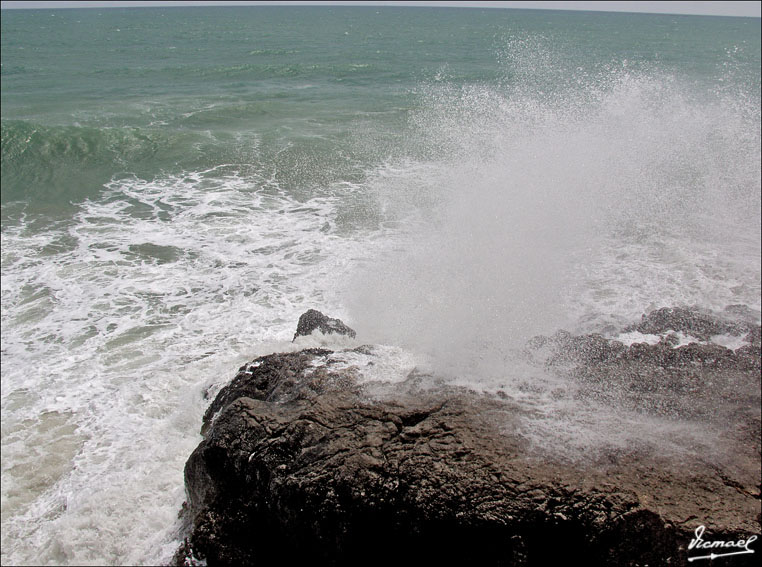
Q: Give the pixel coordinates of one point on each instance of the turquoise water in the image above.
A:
(88, 94)
(179, 184)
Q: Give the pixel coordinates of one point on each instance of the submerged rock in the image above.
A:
(299, 463)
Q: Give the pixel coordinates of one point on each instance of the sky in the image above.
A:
(722, 8)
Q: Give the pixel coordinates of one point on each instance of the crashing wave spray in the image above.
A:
(577, 204)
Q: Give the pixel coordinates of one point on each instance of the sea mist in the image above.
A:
(562, 198)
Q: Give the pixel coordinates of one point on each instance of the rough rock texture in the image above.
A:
(313, 319)
(704, 381)
(279, 378)
(695, 323)
(299, 463)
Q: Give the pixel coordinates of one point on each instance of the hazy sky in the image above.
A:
(725, 8)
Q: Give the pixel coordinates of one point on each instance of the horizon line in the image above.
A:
(627, 7)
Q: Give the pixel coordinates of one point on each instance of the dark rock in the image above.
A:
(706, 381)
(690, 321)
(313, 319)
(301, 464)
(568, 348)
(671, 340)
(754, 338)
(277, 378)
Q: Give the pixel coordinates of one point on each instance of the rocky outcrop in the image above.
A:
(301, 462)
(694, 381)
(696, 323)
(313, 320)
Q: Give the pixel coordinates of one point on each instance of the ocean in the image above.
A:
(180, 184)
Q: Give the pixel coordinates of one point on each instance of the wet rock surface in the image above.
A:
(300, 462)
(313, 320)
(696, 380)
(696, 323)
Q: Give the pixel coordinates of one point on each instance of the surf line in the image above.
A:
(699, 543)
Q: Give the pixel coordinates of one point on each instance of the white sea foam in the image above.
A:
(113, 327)
(732, 342)
(377, 363)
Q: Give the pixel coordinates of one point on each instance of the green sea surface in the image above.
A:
(316, 94)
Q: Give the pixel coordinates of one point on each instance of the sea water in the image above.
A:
(180, 184)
